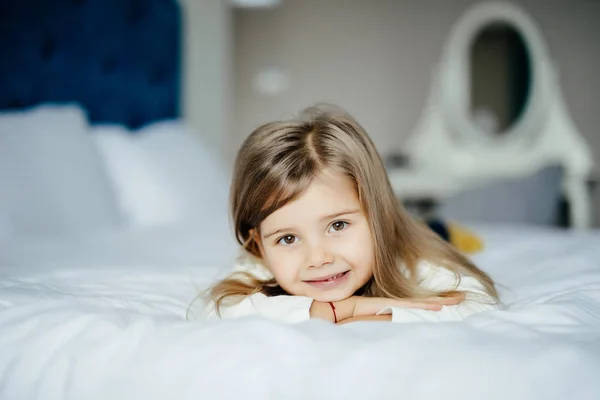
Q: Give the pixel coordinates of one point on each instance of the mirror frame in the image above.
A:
(449, 154)
(456, 70)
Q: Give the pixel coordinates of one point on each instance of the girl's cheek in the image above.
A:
(282, 263)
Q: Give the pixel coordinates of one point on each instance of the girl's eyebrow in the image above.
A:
(339, 214)
(326, 217)
(276, 232)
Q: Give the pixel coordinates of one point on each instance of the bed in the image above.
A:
(116, 221)
(75, 325)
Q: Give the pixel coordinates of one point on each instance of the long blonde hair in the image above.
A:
(277, 163)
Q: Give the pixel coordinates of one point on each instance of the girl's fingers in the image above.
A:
(371, 306)
(432, 303)
(446, 300)
(432, 306)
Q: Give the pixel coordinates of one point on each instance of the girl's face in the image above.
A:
(320, 244)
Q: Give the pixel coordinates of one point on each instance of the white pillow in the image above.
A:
(144, 195)
(5, 226)
(165, 174)
(52, 177)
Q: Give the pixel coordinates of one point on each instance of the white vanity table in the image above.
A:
(450, 151)
(411, 184)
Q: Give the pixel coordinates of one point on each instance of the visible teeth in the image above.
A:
(335, 277)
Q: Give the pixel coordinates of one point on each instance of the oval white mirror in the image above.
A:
(467, 135)
(478, 38)
(500, 79)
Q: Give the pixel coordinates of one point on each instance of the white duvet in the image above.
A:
(104, 318)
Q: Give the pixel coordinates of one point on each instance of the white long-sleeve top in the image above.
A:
(293, 309)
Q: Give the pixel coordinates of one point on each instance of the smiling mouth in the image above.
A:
(330, 278)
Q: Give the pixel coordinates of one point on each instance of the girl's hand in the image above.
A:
(372, 305)
(358, 306)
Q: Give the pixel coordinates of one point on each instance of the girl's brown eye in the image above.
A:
(288, 239)
(339, 225)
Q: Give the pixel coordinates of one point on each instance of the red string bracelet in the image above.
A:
(334, 314)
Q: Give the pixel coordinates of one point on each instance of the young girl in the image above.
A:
(325, 237)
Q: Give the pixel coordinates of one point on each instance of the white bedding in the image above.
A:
(102, 317)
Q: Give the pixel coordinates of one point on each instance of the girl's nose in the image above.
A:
(319, 255)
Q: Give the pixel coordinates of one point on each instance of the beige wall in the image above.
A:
(375, 58)
(206, 69)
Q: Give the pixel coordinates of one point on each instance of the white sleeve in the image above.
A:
(441, 279)
(290, 309)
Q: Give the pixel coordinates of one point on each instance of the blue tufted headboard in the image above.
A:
(119, 59)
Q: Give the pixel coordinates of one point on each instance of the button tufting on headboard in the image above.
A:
(48, 48)
(136, 12)
(109, 64)
(133, 119)
(16, 103)
(158, 76)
